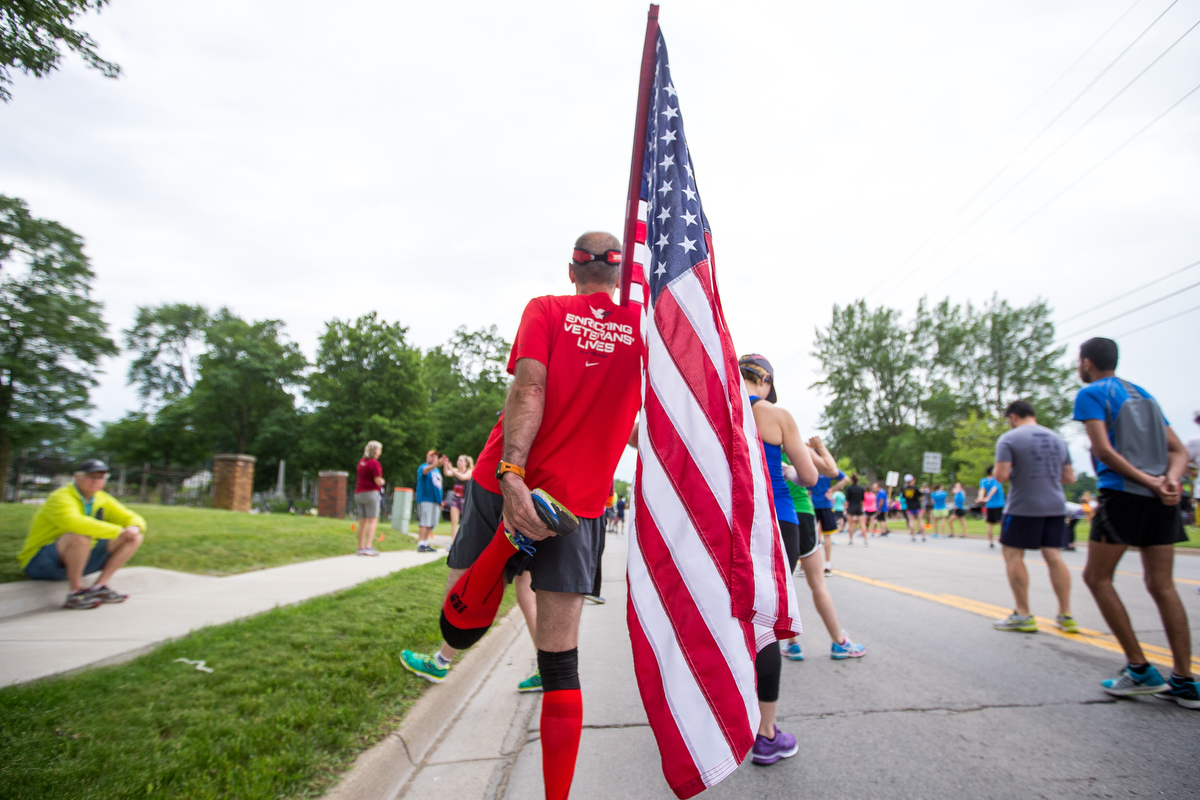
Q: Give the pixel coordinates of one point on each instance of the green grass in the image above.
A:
(214, 542)
(295, 694)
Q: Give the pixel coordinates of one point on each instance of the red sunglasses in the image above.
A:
(608, 257)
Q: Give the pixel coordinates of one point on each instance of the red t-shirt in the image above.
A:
(368, 471)
(592, 349)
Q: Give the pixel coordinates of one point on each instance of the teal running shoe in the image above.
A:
(1185, 691)
(792, 652)
(847, 649)
(1130, 683)
(423, 665)
(531, 684)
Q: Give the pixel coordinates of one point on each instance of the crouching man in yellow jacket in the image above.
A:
(82, 529)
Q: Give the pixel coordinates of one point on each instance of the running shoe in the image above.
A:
(1185, 691)
(847, 649)
(828, 571)
(531, 684)
(1016, 622)
(792, 652)
(362, 551)
(81, 598)
(595, 598)
(423, 665)
(1130, 683)
(1066, 623)
(107, 595)
(992, 545)
(768, 751)
(371, 551)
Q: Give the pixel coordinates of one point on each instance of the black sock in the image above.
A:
(1139, 668)
(1177, 678)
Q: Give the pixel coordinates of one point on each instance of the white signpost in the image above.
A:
(893, 478)
(933, 463)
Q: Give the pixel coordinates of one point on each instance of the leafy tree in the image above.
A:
(975, 446)
(1083, 483)
(168, 340)
(128, 440)
(467, 379)
(32, 31)
(244, 378)
(52, 336)
(367, 385)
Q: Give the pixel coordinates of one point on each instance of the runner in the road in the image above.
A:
(562, 431)
(856, 494)
(1036, 461)
(1139, 461)
(960, 510)
(912, 507)
(991, 494)
(870, 509)
(884, 506)
(941, 515)
(838, 497)
(822, 501)
(621, 514)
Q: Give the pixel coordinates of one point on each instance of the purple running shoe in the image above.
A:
(768, 751)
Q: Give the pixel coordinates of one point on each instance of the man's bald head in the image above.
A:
(597, 273)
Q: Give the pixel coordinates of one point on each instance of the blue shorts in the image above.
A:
(47, 566)
(1033, 533)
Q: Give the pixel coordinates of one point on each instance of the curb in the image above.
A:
(382, 772)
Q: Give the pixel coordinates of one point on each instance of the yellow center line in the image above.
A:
(1188, 581)
(1105, 641)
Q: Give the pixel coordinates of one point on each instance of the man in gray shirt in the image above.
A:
(1037, 462)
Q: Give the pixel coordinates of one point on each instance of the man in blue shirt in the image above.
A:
(822, 501)
(940, 513)
(991, 494)
(1137, 507)
(429, 501)
(960, 509)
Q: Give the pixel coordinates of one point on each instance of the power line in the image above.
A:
(1128, 292)
(1127, 313)
(1158, 322)
(1025, 149)
(992, 146)
(1039, 164)
(1065, 189)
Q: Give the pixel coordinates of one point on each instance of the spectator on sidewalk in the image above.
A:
(462, 483)
(991, 497)
(1139, 461)
(429, 501)
(960, 509)
(367, 497)
(1036, 461)
(79, 530)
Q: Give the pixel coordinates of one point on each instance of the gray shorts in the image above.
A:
(428, 515)
(366, 505)
(560, 564)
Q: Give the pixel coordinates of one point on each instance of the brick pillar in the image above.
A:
(233, 481)
(331, 493)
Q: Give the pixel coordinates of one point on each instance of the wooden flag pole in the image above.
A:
(639, 151)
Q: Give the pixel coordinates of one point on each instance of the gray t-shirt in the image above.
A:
(1037, 456)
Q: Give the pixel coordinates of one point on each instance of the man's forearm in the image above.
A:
(522, 419)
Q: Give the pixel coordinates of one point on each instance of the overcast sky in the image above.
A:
(304, 161)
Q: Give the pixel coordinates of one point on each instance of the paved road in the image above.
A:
(941, 707)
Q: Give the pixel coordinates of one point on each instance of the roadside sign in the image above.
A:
(893, 478)
(933, 463)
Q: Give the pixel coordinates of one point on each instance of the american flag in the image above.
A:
(708, 577)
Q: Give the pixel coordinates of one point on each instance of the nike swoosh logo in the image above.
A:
(590, 363)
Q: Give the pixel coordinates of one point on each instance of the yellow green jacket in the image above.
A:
(63, 513)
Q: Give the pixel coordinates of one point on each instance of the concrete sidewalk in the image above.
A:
(39, 638)
(942, 706)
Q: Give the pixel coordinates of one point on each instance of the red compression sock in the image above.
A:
(475, 598)
(562, 725)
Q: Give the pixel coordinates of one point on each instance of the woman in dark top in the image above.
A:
(854, 508)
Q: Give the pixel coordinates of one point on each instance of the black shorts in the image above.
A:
(882, 516)
(1033, 533)
(960, 512)
(825, 520)
(809, 541)
(1124, 518)
(996, 514)
(839, 515)
(561, 564)
(854, 509)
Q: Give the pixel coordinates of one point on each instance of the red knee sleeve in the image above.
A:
(475, 598)
(561, 728)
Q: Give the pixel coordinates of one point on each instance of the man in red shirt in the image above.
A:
(576, 366)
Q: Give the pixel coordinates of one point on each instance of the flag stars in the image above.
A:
(671, 113)
(668, 161)
(688, 167)
(691, 194)
(662, 242)
(662, 268)
(665, 215)
(687, 244)
(670, 90)
(688, 217)
(668, 136)
(666, 187)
